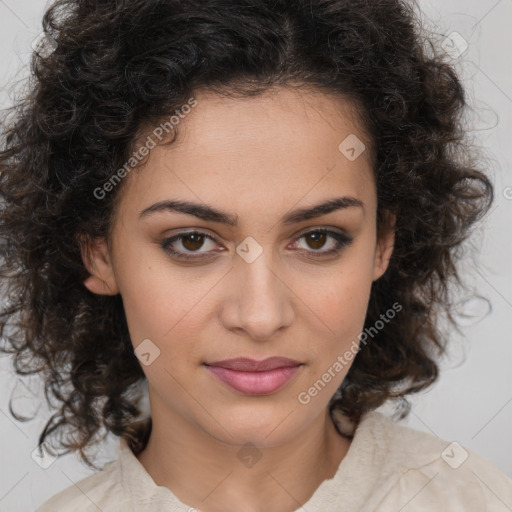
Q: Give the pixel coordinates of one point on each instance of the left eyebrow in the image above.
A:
(212, 214)
(332, 205)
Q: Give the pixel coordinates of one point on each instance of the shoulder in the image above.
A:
(99, 491)
(123, 484)
(419, 471)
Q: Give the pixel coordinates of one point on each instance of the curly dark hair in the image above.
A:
(120, 66)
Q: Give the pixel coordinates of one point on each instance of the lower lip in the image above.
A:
(254, 383)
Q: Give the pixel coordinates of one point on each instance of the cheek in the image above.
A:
(342, 310)
(344, 302)
(161, 302)
(147, 292)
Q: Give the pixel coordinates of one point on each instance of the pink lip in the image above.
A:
(254, 377)
(244, 364)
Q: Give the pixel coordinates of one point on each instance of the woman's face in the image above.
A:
(267, 283)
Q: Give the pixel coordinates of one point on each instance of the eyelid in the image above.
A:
(339, 235)
(299, 234)
(321, 227)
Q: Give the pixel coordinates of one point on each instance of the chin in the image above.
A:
(262, 429)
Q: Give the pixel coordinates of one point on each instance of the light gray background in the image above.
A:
(472, 402)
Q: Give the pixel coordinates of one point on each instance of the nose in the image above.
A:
(259, 301)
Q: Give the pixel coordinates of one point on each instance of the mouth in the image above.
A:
(252, 377)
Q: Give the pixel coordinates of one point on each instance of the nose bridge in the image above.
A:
(259, 277)
(261, 302)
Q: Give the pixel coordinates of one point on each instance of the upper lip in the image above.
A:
(244, 364)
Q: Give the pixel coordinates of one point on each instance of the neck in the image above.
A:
(211, 475)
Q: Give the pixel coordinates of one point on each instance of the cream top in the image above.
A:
(388, 468)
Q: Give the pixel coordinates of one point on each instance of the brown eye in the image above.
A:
(190, 242)
(193, 242)
(319, 238)
(316, 239)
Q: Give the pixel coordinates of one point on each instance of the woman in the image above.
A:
(255, 208)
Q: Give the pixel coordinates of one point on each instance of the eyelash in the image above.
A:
(342, 242)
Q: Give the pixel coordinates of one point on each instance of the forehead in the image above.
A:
(283, 147)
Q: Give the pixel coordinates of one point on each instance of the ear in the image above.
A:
(384, 249)
(97, 260)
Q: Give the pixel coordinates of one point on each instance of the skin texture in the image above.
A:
(257, 158)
